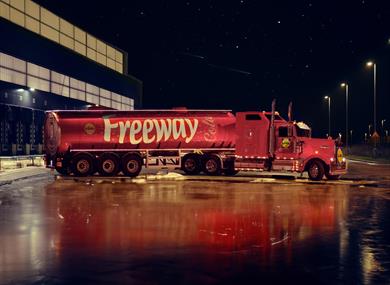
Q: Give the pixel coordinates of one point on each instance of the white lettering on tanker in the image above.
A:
(150, 130)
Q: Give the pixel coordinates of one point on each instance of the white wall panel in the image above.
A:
(91, 42)
(17, 17)
(66, 41)
(50, 33)
(77, 84)
(101, 47)
(12, 76)
(80, 35)
(18, 4)
(92, 89)
(50, 19)
(38, 71)
(77, 94)
(91, 54)
(93, 99)
(59, 89)
(32, 9)
(80, 48)
(59, 78)
(38, 83)
(4, 10)
(66, 28)
(101, 59)
(32, 24)
(105, 102)
(105, 93)
(116, 105)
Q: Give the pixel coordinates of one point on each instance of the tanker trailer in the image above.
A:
(110, 141)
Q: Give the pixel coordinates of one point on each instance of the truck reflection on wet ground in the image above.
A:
(187, 232)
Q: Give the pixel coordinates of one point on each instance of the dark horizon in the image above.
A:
(240, 55)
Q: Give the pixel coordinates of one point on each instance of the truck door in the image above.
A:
(285, 142)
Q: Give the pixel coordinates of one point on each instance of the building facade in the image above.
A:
(48, 63)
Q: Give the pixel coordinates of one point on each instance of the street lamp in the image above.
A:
(346, 86)
(328, 98)
(373, 64)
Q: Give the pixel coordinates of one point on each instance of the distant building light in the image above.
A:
(20, 90)
(32, 89)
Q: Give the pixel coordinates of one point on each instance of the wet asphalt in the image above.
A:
(56, 230)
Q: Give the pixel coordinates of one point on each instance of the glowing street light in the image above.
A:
(328, 98)
(373, 64)
(346, 86)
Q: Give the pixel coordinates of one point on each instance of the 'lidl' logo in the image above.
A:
(285, 143)
(339, 155)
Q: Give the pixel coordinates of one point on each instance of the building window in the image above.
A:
(45, 102)
(20, 97)
(33, 100)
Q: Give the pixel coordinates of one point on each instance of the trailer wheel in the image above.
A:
(316, 170)
(82, 165)
(212, 165)
(131, 165)
(190, 164)
(108, 164)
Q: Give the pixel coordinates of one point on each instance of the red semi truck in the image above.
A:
(214, 142)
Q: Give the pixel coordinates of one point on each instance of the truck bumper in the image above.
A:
(338, 169)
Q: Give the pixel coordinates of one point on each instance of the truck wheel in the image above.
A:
(131, 165)
(212, 165)
(190, 164)
(82, 165)
(108, 164)
(316, 170)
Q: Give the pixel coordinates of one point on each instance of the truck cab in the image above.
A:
(266, 141)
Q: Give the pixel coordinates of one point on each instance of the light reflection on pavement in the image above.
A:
(96, 231)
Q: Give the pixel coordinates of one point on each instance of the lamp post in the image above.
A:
(328, 98)
(346, 86)
(373, 64)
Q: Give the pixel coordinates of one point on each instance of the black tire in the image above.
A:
(332, 177)
(108, 164)
(82, 165)
(316, 170)
(131, 165)
(212, 165)
(191, 164)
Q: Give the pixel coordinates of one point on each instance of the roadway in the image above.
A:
(173, 229)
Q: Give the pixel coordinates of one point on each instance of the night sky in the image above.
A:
(239, 54)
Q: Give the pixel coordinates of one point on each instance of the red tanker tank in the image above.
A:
(157, 137)
(127, 130)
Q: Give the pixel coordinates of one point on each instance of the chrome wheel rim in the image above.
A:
(132, 166)
(82, 166)
(108, 166)
(190, 164)
(211, 165)
(314, 170)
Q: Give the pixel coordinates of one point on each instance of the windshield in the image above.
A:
(303, 130)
